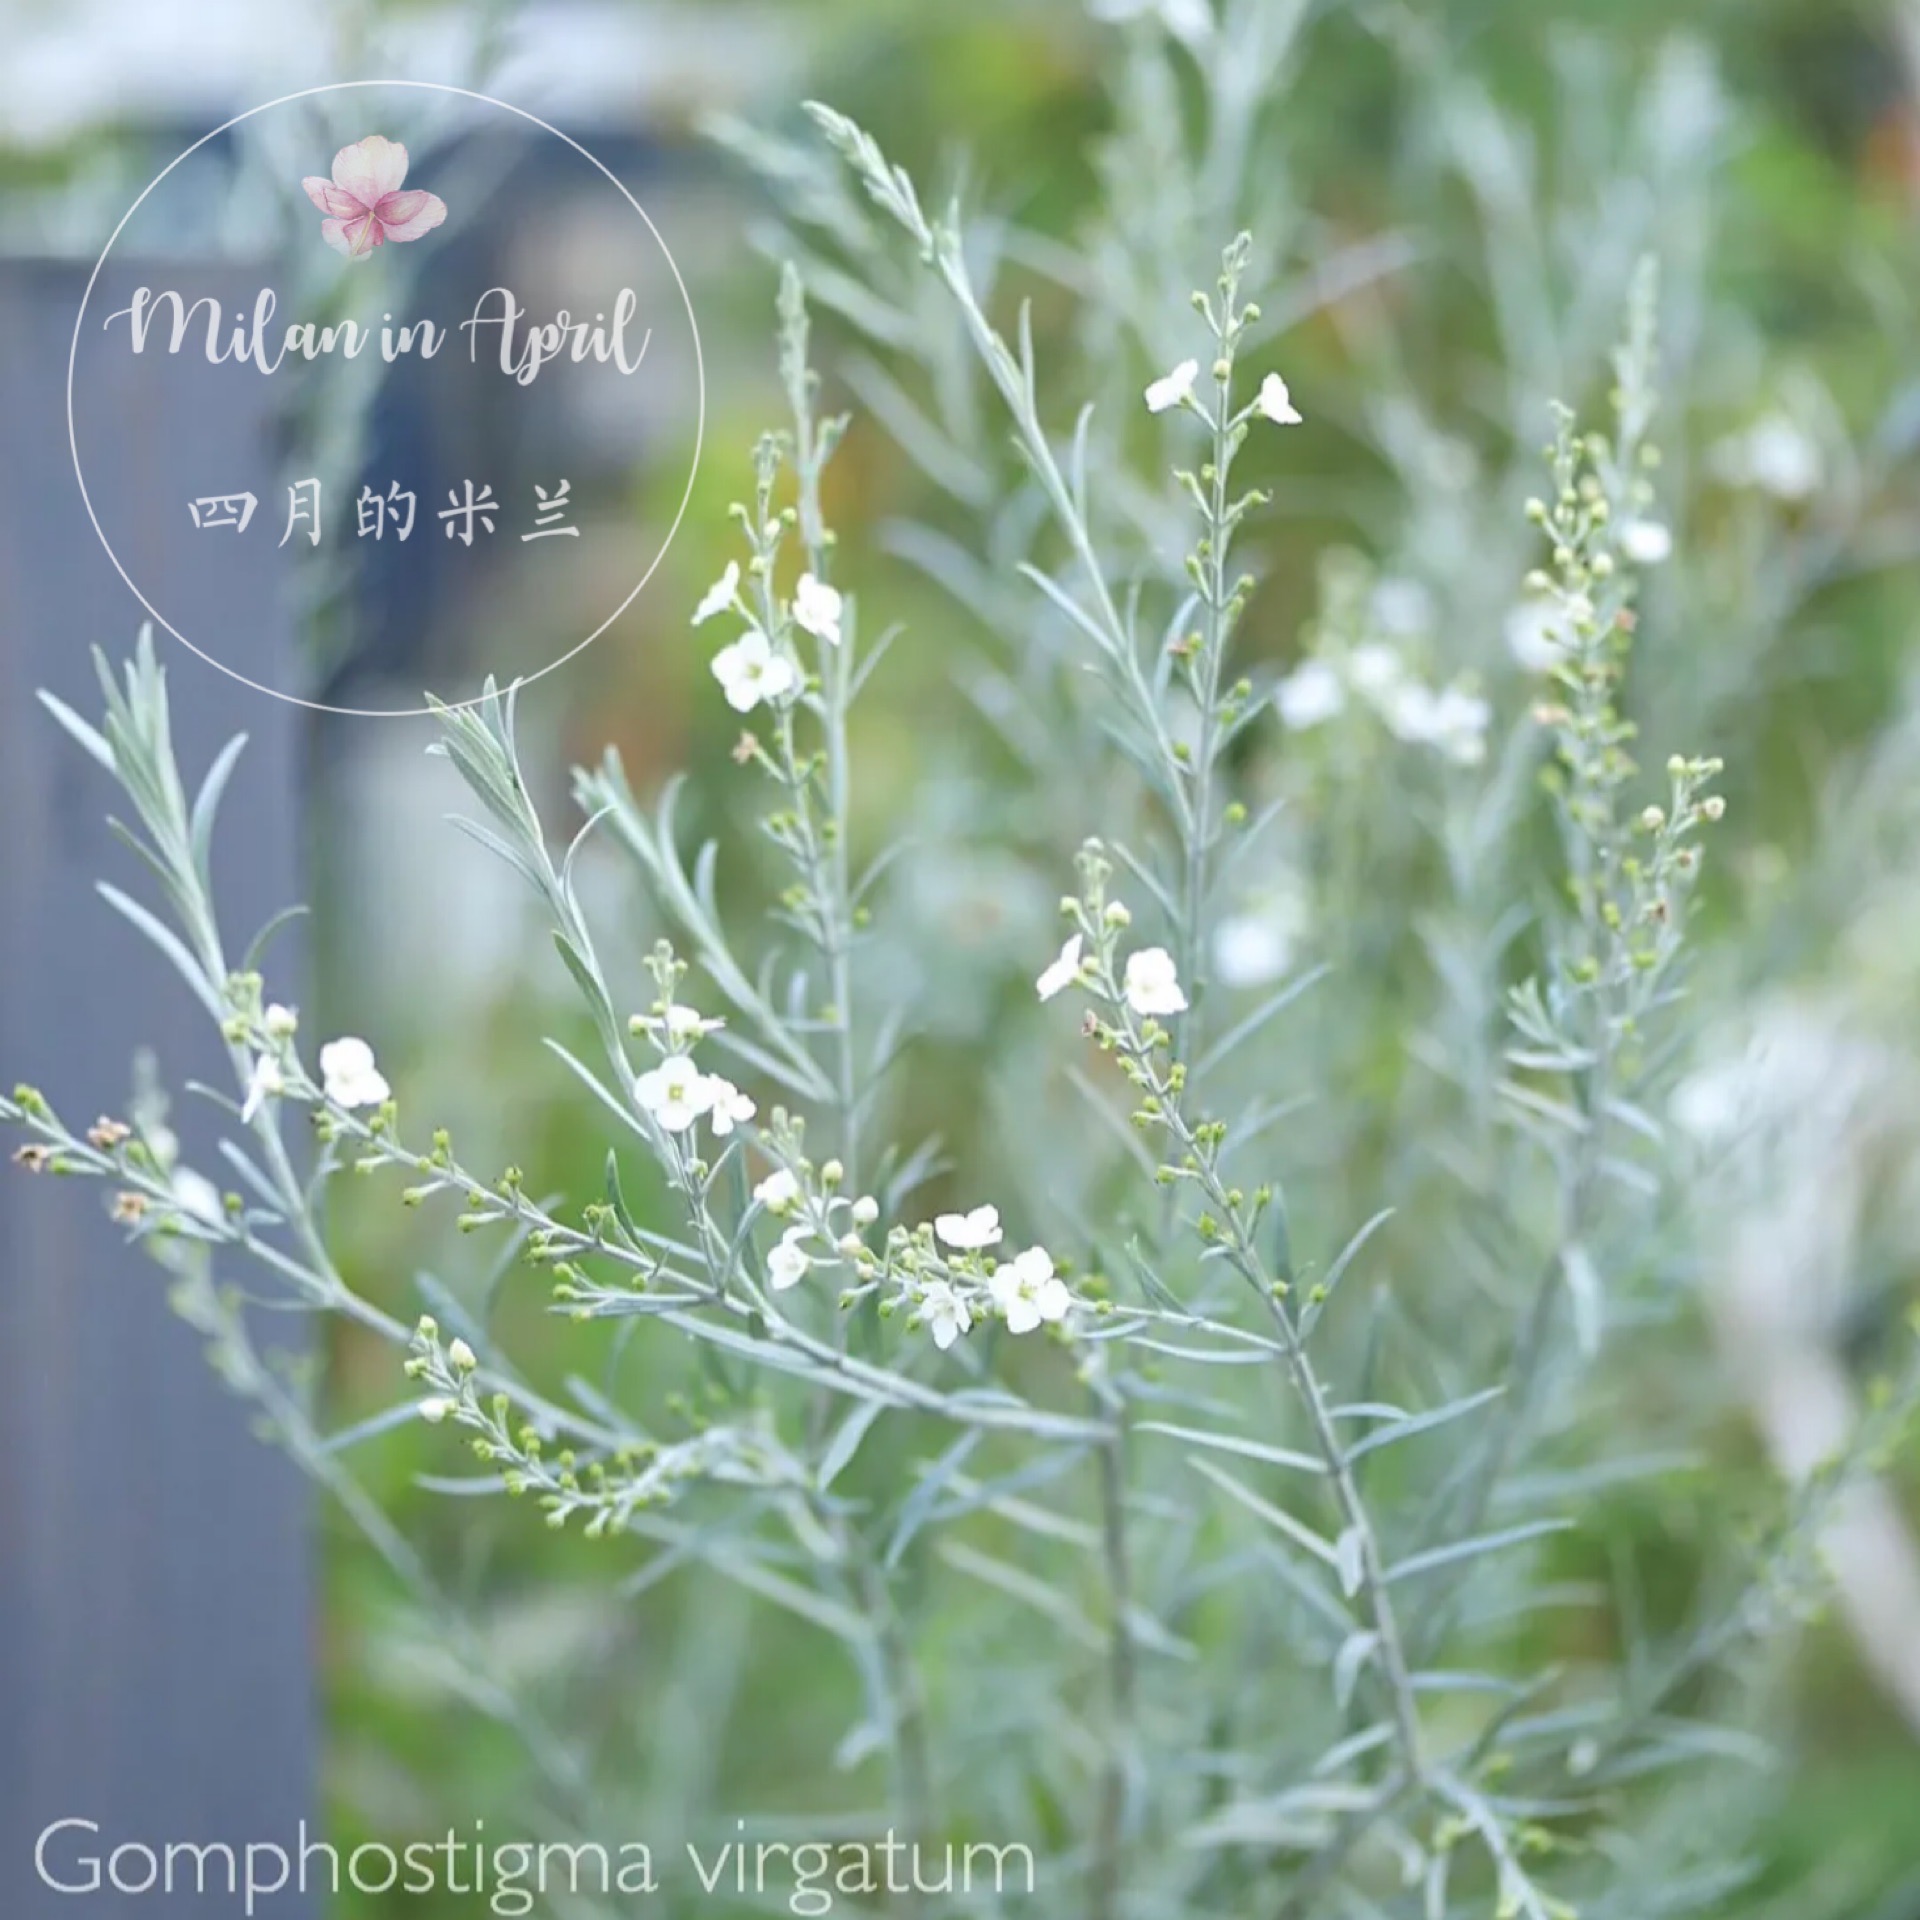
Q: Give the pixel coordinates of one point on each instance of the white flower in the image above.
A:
(1309, 696)
(1453, 720)
(1063, 972)
(282, 1023)
(461, 1357)
(266, 1082)
(1377, 670)
(778, 1191)
(1783, 460)
(817, 608)
(970, 1231)
(1151, 985)
(1188, 20)
(1538, 634)
(1028, 1291)
(1408, 711)
(946, 1314)
(675, 1092)
(719, 596)
(1249, 949)
(195, 1194)
(1276, 403)
(682, 1026)
(750, 671)
(1402, 609)
(1460, 722)
(1257, 946)
(1646, 542)
(1175, 389)
(436, 1410)
(1776, 455)
(731, 1107)
(348, 1075)
(788, 1262)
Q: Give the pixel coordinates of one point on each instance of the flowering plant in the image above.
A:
(1259, 1518)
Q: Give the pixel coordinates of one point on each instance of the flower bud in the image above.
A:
(434, 1411)
(460, 1357)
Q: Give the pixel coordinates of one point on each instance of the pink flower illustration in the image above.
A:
(363, 202)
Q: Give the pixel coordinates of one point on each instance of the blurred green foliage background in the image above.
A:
(1813, 255)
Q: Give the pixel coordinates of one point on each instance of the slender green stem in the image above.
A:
(1110, 1842)
(1232, 1230)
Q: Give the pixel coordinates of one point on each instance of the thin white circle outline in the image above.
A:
(424, 86)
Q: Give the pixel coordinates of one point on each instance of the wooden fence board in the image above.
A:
(156, 1611)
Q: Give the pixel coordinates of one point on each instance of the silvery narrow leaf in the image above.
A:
(1350, 1557)
(1353, 1656)
(1583, 1283)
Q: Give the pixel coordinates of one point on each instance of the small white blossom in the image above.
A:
(1377, 671)
(787, 1264)
(1309, 696)
(731, 1107)
(1776, 455)
(681, 1026)
(1538, 634)
(750, 671)
(866, 1210)
(1402, 609)
(281, 1023)
(436, 1410)
(778, 1191)
(1152, 985)
(817, 608)
(266, 1082)
(1452, 720)
(1646, 542)
(1276, 403)
(349, 1076)
(675, 1092)
(719, 596)
(1174, 389)
(1188, 20)
(970, 1231)
(946, 1314)
(461, 1357)
(1249, 950)
(1028, 1292)
(1460, 726)
(1064, 971)
(1255, 947)
(195, 1194)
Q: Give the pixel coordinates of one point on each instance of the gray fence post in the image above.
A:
(156, 1607)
